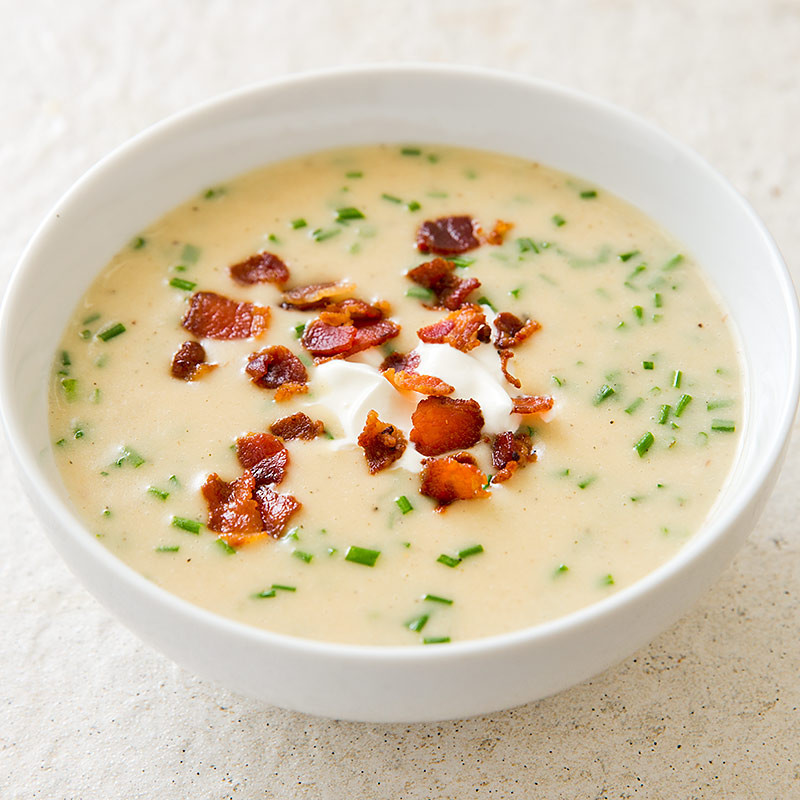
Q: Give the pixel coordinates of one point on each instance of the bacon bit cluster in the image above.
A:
(316, 295)
(447, 236)
(510, 330)
(212, 316)
(189, 362)
(278, 368)
(297, 426)
(497, 235)
(510, 451)
(263, 267)
(441, 424)
(452, 478)
(382, 443)
(439, 276)
(464, 329)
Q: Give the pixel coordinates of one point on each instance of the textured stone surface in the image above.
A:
(708, 710)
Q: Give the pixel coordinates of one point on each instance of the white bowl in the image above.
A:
(607, 147)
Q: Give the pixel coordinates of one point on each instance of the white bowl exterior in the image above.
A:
(605, 146)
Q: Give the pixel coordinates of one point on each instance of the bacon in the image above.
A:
(511, 330)
(447, 235)
(340, 341)
(401, 362)
(498, 233)
(276, 367)
(353, 311)
(231, 506)
(297, 426)
(316, 295)
(413, 382)
(531, 404)
(213, 316)
(509, 452)
(263, 267)
(188, 363)
(441, 424)
(439, 276)
(264, 456)
(275, 509)
(382, 443)
(452, 478)
(505, 357)
(374, 334)
(464, 329)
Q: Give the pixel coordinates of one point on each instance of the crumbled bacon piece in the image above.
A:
(439, 276)
(231, 507)
(213, 316)
(383, 443)
(511, 330)
(263, 455)
(340, 341)
(276, 509)
(401, 362)
(263, 267)
(463, 329)
(407, 381)
(505, 357)
(297, 426)
(509, 452)
(441, 424)
(276, 367)
(452, 478)
(353, 311)
(316, 295)
(447, 235)
(497, 234)
(531, 404)
(188, 363)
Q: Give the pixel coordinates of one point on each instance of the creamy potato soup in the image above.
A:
(420, 496)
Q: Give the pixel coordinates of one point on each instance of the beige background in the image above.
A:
(709, 709)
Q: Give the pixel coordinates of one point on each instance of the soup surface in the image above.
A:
(633, 349)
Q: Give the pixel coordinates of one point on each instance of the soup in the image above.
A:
(421, 283)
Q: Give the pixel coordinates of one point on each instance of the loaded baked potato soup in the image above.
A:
(397, 395)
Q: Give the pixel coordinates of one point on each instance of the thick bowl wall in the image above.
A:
(606, 146)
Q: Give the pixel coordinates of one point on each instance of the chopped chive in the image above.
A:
(91, 318)
(332, 551)
(410, 151)
(96, 395)
(78, 433)
(589, 194)
(683, 401)
(265, 593)
(607, 580)
(180, 268)
(362, 555)
(180, 283)
(225, 547)
(403, 504)
(676, 378)
(188, 525)
(515, 293)
(723, 425)
(299, 329)
(391, 198)
(280, 587)
(173, 479)
(138, 242)
(603, 393)
(636, 271)
(628, 256)
(638, 312)
(61, 443)
(561, 569)
(435, 598)
(303, 556)
(527, 245)
(418, 623)
(320, 235)
(106, 512)
(621, 324)
(436, 640)
(305, 359)
(673, 262)
(470, 551)
(348, 213)
(644, 444)
(214, 192)
(70, 387)
(421, 293)
(558, 220)
(586, 482)
(167, 548)
(413, 205)
(648, 365)
(65, 359)
(273, 238)
(448, 561)
(354, 174)
(657, 300)
(461, 261)
(663, 414)
(130, 456)
(190, 254)
(433, 158)
(711, 405)
(159, 493)
(485, 301)
(298, 223)
(111, 332)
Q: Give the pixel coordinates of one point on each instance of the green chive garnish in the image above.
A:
(485, 301)
(657, 300)
(413, 206)
(711, 405)
(683, 401)
(411, 151)
(138, 242)
(111, 332)
(129, 456)
(264, 593)
(558, 220)
(435, 598)
(603, 393)
(516, 292)
(723, 425)
(348, 213)
(79, 433)
(273, 238)
(362, 555)
(673, 262)
(354, 174)
(299, 329)
(663, 414)
(527, 245)
(561, 569)
(638, 312)
(188, 525)
(607, 580)
(320, 235)
(418, 623)
(167, 548)
(585, 482)
(628, 256)
(461, 261)
(190, 254)
(180, 283)
(436, 640)
(556, 380)
(280, 587)
(70, 387)
(298, 223)
(159, 493)
(403, 504)
(676, 378)
(421, 293)
(391, 198)
(648, 365)
(91, 318)
(225, 547)
(303, 556)
(589, 194)
(470, 551)
(644, 444)
(214, 192)
(448, 561)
